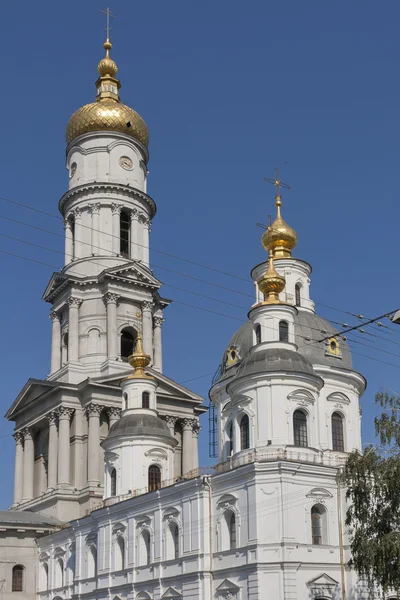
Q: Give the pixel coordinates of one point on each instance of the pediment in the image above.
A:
(319, 493)
(227, 586)
(132, 272)
(56, 283)
(301, 396)
(323, 580)
(172, 593)
(32, 390)
(338, 397)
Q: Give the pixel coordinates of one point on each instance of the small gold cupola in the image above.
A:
(139, 360)
(279, 238)
(107, 84)
(271, 284)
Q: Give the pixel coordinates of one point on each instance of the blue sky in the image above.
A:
(229, 90)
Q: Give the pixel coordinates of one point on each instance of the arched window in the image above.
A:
(113, 482)
(297, 290)
(145, 400)
(173, 542)
(93, 343)
(317, 516)
(154, 478)
(71, 221)
(59, 573)
(283, 331)
(119, 553)
(124, 233)
(145, 548)
(128, 340)
(300, 428)
(337, 432)
(44, 576)
(230, 439)
(244, 433)
(92, 561)
(231, 523)
(64, 349)
(257, 331)
(18, 578)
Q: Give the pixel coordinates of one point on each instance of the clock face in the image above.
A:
(126, 163)
(72, 170)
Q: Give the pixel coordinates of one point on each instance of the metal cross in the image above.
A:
(277, 182)
(107, 12)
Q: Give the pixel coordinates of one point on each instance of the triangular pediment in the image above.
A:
(56, 283)
(132, 272)
(323, 580)
(227, 586)
(171, 593)
(32, 391)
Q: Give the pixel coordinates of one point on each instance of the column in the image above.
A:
(187, 446)
(53, 451)
(158, 321)
(19, 467)
(110, 301)
(73, 328)
(114, 414)
(116, 211)
(136, 249)
(93, 412)
(28, 464)
(95, 210)
(170, 421)
(55, 342)
(78, 247)
(64, 416)
(195, 434)
(146, 242)
(147, 318)
(69, 242)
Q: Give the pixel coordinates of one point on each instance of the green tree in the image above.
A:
(373, 493)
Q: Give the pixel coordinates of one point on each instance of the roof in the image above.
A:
(141, 424)
(25, 517)
(271, 360)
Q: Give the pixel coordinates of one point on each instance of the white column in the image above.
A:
(116, 211)
(136, 249)
(53, 451)
(195, 433)
(114, 414)
(28, 464)
(19, 467)
(111, 301)
(64, 416)
(78, 246)
(93, 412)
(158, 321)
(146, 242)
(55, 342)
(73, 328)
(187, 446)
(69, 244)
(95, 210)
(147, 319)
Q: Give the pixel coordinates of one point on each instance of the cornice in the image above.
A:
(94, 187)
(115, 136)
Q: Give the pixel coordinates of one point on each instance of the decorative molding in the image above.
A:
(170, 420)
(94, 410)
(338, 397)
(64, 412)
(77, 212)
(54, 316)
(134, 214)
(110, 298)
(18, 437)
(74, 302)
(114, 411)
(27, 433)
(158, 321)
(147, 305)
(116, 208)
(95, 208)
(52, 417)
(188, 423)
(302, 397)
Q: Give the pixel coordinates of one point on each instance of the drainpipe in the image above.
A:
(341, 547)
(207, 482)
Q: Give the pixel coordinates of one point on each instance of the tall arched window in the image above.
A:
(283, 331)
(337, 432)
(64, 349)
(92, 561)
(297, 293)
(231, 523)
(257, 331)
(124, 233)
(317, 514)
(71, 221)
(300, 428)
(44, 576)
(59, 573)
(230, 439)
(174, 545)
(145, 548)
(244, 433)
(113, 482)
(18, 578)
(128, 340)
(154, 478)
(145, 400)
(119, 553)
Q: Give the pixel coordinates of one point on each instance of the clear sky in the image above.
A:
(229, 90)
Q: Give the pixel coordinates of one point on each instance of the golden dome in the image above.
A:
(279, 238)
(107, 113)
(139, 360)
(271, 283)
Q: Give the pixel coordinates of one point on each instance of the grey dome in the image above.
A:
(271, 360)
(308, 328)
(140, 424)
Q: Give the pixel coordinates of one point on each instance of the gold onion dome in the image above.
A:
(271, 283)
(108, 113)
(139, 360)
(279, 238)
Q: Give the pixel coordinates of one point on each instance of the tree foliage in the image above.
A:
(373, 493)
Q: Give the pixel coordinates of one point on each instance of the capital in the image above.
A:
(114, 412)
(52, 417)
(54, 316)
(158, 321)
(18, 437)
(27, 433)
(147, 306)
(74, 302)
(116, 208)
(77, 212)
(94, 208)
(64, 412)
(188, 423)
(110, 298)
(67, 223)
(134, 214)
(170, 420)
(196, 429)
(94, 410)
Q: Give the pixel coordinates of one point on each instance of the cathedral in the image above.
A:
(109, 499)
